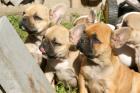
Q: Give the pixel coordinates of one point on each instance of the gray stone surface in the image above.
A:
(18, 71)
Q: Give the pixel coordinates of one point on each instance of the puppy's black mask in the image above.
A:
(25, 23)
(48, 48)
(85, 45)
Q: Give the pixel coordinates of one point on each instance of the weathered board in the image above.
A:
(18, 71)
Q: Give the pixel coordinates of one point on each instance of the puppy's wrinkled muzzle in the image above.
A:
(25, 26)
(21, 26)
(85, 46)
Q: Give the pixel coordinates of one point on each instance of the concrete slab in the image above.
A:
(18, 71)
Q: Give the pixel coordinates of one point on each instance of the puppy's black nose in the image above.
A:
(24, 19)
(20, 25)
(90, 56)
(22, 22)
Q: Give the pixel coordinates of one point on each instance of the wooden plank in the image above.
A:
(18, 71)
(12, 10)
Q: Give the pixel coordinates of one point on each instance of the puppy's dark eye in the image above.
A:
(95, 39)
(23, 13)
(43, 37)
(36, 17)
(56, 43)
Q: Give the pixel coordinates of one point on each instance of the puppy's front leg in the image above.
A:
(82, 87)
(137, 57)
(50, 78)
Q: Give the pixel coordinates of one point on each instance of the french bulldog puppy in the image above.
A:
(36, 19)
(130, 20)
(63, 58)
(125, 53)
(128, 36)
(101, 70)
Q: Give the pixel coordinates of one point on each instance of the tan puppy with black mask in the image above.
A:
(101, 70)
(63, 58)
(36, 20)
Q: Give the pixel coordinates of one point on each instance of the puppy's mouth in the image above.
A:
(42, 50)
(46, 55)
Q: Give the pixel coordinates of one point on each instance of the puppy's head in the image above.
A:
(120, 37)
(58, 41)
(37, 17)
(95, 41)
(87, 19)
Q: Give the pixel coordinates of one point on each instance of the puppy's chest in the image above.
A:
(65, 64)
(91, 72)
(95, 79)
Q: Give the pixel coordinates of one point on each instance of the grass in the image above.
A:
(14, 20)
(60, 88)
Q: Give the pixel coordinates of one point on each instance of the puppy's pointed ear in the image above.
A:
(91, 16)
(123, 33)
(57, 13)
(76, 32)
(120, 36)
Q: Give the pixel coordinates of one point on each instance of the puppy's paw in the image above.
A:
(73, 82)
